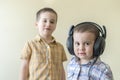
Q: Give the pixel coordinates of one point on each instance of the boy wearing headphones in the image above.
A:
(86, 42)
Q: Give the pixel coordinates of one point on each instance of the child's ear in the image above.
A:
(36, 24)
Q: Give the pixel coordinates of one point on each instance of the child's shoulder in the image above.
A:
(100, 65)
(58, 43)
(100, 68)
(73, 60)
(73, 63)
(31, 41)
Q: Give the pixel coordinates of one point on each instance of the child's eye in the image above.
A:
(45, 21)
(52, 22)
(77, 44)
(87, 43)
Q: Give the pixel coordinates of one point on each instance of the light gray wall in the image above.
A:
(17, 18)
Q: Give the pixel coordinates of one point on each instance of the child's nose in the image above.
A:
(81, 47)
(48, 24)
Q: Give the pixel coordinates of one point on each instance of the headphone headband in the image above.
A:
(101, 29)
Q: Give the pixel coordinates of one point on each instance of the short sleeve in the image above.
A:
(71, 70)
(64, 57)
(26, 51)
(107, 74)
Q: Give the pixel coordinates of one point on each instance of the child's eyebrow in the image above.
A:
(52, 19)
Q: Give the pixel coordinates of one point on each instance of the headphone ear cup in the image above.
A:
(70, 45)
(69, 42)
(99, 46)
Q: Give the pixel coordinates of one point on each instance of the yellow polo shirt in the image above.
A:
(45, 60)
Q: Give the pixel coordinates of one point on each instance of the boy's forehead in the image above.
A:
(84, 34)
(48, 14)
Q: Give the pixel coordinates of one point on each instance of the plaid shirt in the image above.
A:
(45, 60)
(98, 71)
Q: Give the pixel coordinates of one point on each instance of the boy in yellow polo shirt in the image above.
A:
(42, 57)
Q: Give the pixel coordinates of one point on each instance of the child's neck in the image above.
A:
(84, 61)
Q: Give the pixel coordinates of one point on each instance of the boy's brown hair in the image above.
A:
(46, 9)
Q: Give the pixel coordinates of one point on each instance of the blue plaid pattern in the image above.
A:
(99, 71)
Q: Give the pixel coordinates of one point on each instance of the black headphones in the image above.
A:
(99, 44)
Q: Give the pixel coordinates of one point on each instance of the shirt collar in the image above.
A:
(92, 61)
(39, 38)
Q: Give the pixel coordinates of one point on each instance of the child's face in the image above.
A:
(83, 45)
(46, 23)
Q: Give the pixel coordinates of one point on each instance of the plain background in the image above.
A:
(17, 25)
